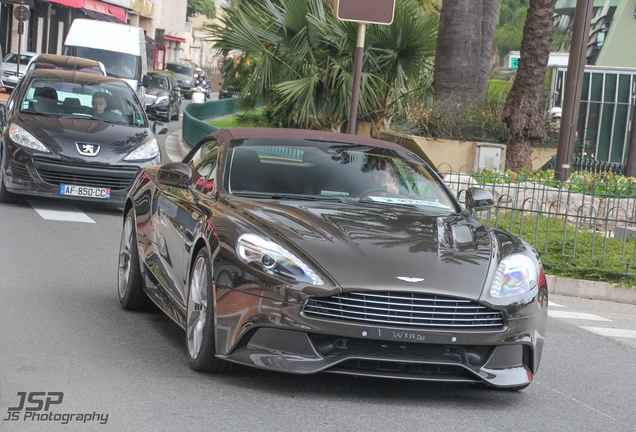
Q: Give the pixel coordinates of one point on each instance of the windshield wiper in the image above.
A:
(286, 196)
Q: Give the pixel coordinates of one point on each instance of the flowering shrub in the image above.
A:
(592, 183)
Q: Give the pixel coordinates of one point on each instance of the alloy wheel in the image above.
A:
(125, 256)
(197, 307)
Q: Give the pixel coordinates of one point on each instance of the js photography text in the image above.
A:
(36, 406)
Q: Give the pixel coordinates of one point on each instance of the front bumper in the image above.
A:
(266, 335)
(42, 177)
(155, 111)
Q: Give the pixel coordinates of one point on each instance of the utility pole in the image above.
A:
(573, 86)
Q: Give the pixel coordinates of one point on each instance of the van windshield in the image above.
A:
(118, 65)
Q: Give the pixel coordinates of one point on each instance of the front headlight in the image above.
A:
(274, 259)
(161, 100)
(23, 138)
(148, 150)
(516, 274)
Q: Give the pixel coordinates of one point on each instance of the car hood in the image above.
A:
(369, 246)
(62, 136)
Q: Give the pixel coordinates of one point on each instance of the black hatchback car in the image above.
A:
(163, 99)
(74, 135)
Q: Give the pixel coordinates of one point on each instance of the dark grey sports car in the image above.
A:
(305, 251)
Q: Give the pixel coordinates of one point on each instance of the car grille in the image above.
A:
(405, 309)
(115, 178)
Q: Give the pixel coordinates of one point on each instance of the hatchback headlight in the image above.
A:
(148, 150)
(23, 138)
(516, 274)
(274, 259)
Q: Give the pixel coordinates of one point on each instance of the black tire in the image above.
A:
(5, 195)
(168, 115)
(200, 331)
(176, 114)
(130, 281)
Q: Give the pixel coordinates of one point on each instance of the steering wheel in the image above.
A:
(365, 193)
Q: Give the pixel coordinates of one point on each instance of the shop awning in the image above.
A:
(174, 38)
(101, 16)
(93, 5)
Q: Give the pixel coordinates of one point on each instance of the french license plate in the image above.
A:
(84, 191)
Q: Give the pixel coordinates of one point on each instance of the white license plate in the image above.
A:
(84, 191)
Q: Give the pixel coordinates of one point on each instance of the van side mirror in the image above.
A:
(145, 81)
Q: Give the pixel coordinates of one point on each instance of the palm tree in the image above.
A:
(523, 113)
(464, 50)
(305, 59)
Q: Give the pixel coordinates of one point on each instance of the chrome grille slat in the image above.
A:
(405, 309)
(397, 311)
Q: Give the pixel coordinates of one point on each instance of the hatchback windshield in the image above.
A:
(108, 101)
(330, 170)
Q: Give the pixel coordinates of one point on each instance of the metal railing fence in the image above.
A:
(576, 226)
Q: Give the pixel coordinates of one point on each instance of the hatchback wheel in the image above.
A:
(130, 282)
(200, 339)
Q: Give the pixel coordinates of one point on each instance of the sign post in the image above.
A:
(22, 14)
(363, 12)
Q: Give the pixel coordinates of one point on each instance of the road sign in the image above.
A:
(366, 11)
(21, 13)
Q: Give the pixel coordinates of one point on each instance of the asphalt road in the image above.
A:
(62, 331)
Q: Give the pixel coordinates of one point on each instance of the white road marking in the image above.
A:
(59, 211)
(551, 303)
(575, 315)
(612, 332)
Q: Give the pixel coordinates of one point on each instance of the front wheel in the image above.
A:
(168, 114)
(200, 338)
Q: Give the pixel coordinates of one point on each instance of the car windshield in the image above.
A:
(158, 81)
(13, 58)
(180, 69)
(303, 169)
(112, 101)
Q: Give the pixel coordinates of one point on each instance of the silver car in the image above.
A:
(10, 75)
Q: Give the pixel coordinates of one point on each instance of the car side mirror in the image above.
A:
(159, 128)
(145, 81)
(478, 199)
(177, 88)
(175, 174)
(3, 116)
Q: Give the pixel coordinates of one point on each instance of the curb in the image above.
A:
(183, 148)
(591, 290)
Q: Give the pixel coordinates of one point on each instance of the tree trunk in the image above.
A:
(457, 51)
(523, 113)
(488, 25)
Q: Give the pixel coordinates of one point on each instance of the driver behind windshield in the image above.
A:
(383, 177)
(101, 110)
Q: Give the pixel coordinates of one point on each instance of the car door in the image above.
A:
(180, 220)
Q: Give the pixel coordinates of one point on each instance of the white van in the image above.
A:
(120, 47)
